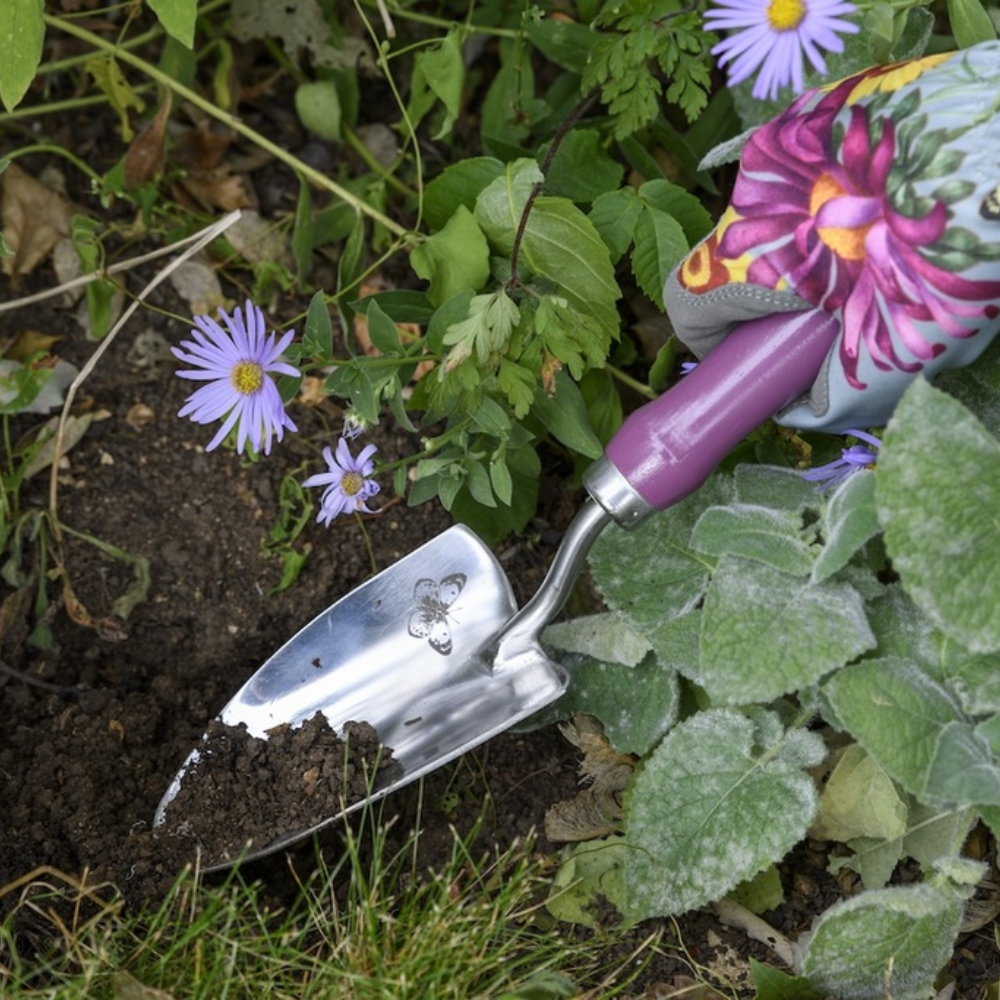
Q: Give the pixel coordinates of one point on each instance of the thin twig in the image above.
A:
(86, 279)
(563, 130)
(198, 242)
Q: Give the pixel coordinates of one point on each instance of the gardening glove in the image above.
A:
(876, 198)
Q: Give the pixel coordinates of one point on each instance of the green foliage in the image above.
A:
(769, 606)
(645, 35)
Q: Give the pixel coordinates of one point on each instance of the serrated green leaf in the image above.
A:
(937, 490)
(930, 749)
(653, 591)
(456, 258)
(582, 169)
(660, 245)
(614, 215)
(689, 211)
(559, 242)
(177, 17)
(849, 519)
(718, 801)
(766, 633)
(774, 537)
(885, 942)
(22, 32)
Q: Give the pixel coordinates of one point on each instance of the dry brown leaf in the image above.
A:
(147, 153)
(220, 188)
(597, 810)
(35, 219)
(197, 283)
(27, 342)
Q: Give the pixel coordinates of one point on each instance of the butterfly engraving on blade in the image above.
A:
(430, 620)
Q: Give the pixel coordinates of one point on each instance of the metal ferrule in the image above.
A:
(615, 494)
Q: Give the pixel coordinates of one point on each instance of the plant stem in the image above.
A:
(231, 121)
(632, 383)
(46, 147)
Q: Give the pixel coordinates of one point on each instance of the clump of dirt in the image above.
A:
(245, 793)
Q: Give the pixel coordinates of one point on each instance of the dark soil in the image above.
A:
(98, 721)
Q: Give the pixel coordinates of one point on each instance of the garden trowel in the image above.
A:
(433, 651)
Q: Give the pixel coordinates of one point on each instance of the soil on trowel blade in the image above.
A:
(244, 792)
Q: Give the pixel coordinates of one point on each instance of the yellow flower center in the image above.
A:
(351, 483)
(247, 377)
(846, 243)
(783, 15)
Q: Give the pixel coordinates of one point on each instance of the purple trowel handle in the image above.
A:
(667, 449)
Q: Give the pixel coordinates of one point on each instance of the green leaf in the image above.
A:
(938, 489)
(718, 780)
(773, 984)
(774, 486)
(848, 520)
(766, 633)
(614, 215)
(317, 103)
(606, 636)
(859, 800)
(885, 942)
(590, 876)
(653, 591)
(637, 705)
(177, 17)
(564, 416)
(559, 242)
(456, 258)
(970, 24)
(317, 339)
(774, 537)
(660, 245)
(303, 231)
(930, 834)
(675, 201)
(459, 184)
(22, 32)
(438, 75)
(384, 333)
(582, 169)
(930, 749)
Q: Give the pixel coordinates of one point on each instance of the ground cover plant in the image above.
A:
(451, 279)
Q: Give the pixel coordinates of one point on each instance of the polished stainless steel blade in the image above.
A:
(408, 652)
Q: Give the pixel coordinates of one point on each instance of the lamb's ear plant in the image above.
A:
(779, 625)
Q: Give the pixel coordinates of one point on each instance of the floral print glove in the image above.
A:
(876, 198)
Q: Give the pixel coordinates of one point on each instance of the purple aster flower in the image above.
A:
(852, 459)
(237, 363)
(771, 35)
(348, 482)
(688, 366)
